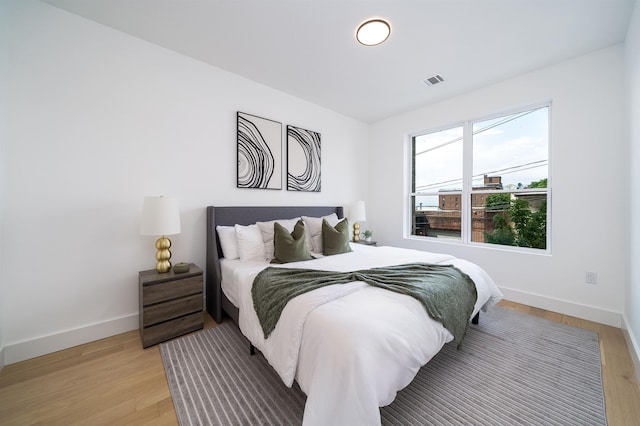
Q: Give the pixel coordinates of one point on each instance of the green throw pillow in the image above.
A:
(335, 240)
(289, 247)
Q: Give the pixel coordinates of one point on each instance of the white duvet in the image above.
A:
(351, 347)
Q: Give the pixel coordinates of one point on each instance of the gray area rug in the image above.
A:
(513, 369)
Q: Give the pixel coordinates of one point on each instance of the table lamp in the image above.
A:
(161, 216)
(357, 213)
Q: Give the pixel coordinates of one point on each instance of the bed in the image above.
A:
(350, 347)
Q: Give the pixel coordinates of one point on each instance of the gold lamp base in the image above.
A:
(356, 232)
(163, 244)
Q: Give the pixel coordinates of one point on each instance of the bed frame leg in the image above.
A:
(252, 349)
(476, 319)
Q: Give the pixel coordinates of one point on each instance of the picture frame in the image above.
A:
(304, 170)
(259, 152)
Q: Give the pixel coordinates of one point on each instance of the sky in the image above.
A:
(515, 147)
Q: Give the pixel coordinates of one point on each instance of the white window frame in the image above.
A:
(467, 183)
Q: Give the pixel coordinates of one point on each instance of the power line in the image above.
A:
(491, 126)
(505, 171)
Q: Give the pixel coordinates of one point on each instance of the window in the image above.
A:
(484, 181)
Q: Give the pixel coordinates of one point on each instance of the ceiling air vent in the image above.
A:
(431, 81)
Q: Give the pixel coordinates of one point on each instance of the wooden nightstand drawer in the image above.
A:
(170, 304)
(155, 293)
(170, 329)
(175, 308)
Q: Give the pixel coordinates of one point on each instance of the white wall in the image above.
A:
(98, 120)
(632, 308)
(3, 125)
(589, 169)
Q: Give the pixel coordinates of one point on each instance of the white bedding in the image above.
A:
(351, 347)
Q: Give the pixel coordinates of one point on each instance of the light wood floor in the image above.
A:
(114, 381)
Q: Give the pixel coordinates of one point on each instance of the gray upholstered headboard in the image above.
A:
(217, 303)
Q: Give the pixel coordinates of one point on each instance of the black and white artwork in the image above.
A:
(303, 160)
(259, 152)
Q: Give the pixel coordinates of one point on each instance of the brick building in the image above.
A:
(447, 222)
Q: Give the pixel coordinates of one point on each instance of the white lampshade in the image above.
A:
(357, 212)
(160, 216)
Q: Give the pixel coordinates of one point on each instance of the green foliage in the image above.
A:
(520, 216)
(542, 183)
(538, 227)
(495, 202)
(502, 234)
(520, 227)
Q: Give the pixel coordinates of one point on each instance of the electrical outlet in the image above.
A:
(591, 277)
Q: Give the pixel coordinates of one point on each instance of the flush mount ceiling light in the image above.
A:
(373, 32)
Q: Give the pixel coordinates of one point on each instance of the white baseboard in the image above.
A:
(55, 342)
(632, 344)
(590, 313)
(44, 345)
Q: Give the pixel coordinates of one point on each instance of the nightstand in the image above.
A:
(170, 304)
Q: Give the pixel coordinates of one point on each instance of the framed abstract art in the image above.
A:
(259, 152)
(303, 160)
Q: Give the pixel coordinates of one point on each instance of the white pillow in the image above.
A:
(228, 241)
(313, 228)
(250, 245)
(267, 231)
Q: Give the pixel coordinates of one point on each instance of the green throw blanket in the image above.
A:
(447, 293)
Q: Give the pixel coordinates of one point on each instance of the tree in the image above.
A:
(521, 217)
(542, 183)
(496, 202)
(518, 225)
(539, 227)
(502, 234)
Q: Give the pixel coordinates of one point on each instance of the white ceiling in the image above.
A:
(307, 47)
